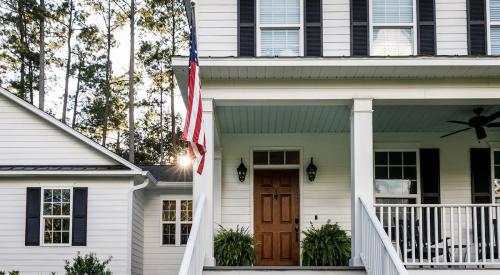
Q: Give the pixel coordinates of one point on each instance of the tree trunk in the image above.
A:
(21, 26)
(75, 102)
(107, 89)
(162, 153)
(68, 63)
(41, 77)
(172, 93)
(31, 77)
(131, 93)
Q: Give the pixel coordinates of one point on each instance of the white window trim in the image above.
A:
(178, 222)
(260, 26)
(489, 24)
(42, 217)
(493, 176)
(416, 196)
(412, 26)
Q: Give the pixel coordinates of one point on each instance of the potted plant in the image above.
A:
(326, 246)
(234, 247)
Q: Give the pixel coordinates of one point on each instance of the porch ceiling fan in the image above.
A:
(478, 123)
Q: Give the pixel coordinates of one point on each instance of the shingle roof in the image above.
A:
(170, 173)
(62, 167)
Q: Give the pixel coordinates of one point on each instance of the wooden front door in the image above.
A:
(276, 217)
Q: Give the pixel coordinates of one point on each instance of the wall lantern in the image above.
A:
(242, 171)
(311, 171)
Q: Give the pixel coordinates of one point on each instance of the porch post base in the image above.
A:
(209, 261)
(356, 261)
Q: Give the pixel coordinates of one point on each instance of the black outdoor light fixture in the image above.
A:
(311, 171)
(242, 171)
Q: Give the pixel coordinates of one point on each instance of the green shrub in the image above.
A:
(326, 246)
(13, 272)
(234, 247)
(87, 265)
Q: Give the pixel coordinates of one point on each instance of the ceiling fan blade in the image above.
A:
(493, 124)
(458, 122)
(493, 116)
(456, 132)
(480, 133)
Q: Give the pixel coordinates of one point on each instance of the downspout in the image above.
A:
(148, 178)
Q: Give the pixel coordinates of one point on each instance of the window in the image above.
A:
(494, 18)
(56, 216)
(177, 218)
(396, 177)
(276, 157)
(393, 27)
(280, 27)
(496, 176)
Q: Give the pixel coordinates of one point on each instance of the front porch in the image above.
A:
(389, 154)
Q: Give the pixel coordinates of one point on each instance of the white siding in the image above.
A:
(26, 139)
(107, 226)
(217, 27)
(158, 259)
(138, 232)
(336, 28)
(329, 196)
(451, 27)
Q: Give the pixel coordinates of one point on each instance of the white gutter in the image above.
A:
(20, 173)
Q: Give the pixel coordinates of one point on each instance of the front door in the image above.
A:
(276, 217)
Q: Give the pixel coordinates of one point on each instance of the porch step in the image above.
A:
(460, 270)
(282, 270)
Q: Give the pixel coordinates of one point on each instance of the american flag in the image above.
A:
(193, 129)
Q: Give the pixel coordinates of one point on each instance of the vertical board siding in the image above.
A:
(26, 139)
(138, 233)
(217, 28)
(158, 259)
(107, 233)
(336, 28)
(451, 27)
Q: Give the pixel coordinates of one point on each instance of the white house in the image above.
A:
(62, 194)
(365, 90)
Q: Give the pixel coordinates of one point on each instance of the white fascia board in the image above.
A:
(67, 129)
(126, 173)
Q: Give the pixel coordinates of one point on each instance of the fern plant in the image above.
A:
(234, 247)
(326, 246)
(88, 265)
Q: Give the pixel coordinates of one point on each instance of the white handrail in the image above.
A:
(194, 254)
(377, 251)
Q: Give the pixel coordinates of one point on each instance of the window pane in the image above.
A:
(168, 210)
(56, 195)
(395, 158)
(410, 173)
(47, 195)
(260, 158)
(381, 158)
(185, 229)
(496, 156)
(168, 234)
(279, 12)
(292, 157)
(392, 11)
(495, 40)
(47, 208)
(280, 42)
(495, 10)
(381, 172)
(66, 194)
(392, 41)
(410, 158)
(277, 157)
(186, 210)
(396, 172)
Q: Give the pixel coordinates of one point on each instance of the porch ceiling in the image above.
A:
(335, 119)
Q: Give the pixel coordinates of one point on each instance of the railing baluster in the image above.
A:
(452, 234)
(420, 240)
(405, 240)
(443, 218)
(413, 234)
(483, 241)
(459, 234)
(474, 223)
(396, 224)
(467, 232)
(498, 232)
(490, 226)
(389, 225)
(428, 227)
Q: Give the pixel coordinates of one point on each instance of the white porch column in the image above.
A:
(204, 184)
(217, 188)
(361, 169)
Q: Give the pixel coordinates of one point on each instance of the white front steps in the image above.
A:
(282, 270)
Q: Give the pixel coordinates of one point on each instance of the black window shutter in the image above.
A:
(480, 166)
(80, 195)
(313, 28)
(426, 21)
(359, 27)
(476, 25)
(430, 176)
(32, 234)
(246, 27)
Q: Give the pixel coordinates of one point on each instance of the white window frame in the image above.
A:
(493, 176)
(260, 27)
(412, 26)
(489, 24)
(416, 196)
(43, 216)
(178, 221)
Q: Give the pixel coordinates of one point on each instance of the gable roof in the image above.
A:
(170, 173)
(71, 132)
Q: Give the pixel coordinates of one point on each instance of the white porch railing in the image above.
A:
(194, 254)
(443, 234)
(377, 252)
